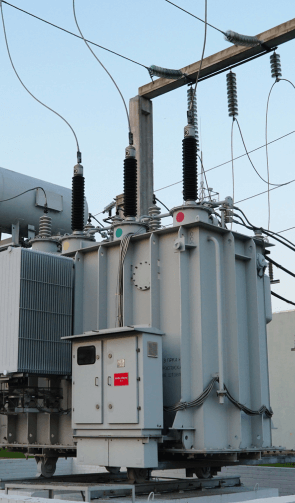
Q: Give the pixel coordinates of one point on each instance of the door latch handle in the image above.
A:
(96, 381)
(109, 381)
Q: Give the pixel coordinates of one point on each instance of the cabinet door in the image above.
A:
(87, 383)
(120, 356)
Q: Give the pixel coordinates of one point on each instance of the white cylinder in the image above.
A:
(28, 208)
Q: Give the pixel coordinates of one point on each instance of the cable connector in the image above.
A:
(79, 157)
(130, 138)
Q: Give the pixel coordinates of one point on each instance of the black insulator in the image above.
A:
(232, 97)
(130, 187)
(78, 189)
(275, 66)
(189, 170)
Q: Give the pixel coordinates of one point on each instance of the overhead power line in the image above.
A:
(235, 158)
(205, 22)
(285, 230)
(74, 34)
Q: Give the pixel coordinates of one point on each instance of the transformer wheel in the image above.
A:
(138, 475)
(46, 467)
(204, 473)
(114, 470)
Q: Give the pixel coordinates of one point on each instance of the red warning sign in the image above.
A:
(121, 379)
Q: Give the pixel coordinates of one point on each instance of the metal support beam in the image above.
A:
(141, 120)
(222, 60)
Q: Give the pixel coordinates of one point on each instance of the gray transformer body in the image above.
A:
(204, 288)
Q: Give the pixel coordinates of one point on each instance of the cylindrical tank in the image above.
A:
(28, 208)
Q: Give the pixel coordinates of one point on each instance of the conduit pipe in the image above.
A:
(221, 392)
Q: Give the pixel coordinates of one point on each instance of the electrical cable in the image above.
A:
(261, 193)
(282, 298)
(75, 35)
(204, 173)
(266, 150)
(231, 36)
(41, 103)
(162, 203)
(257, 228)
(265, 232)
(235, 158)
(29, 190)
(279, 266)
(93, 53)
(201, 399)
(93, 216)
(285, 230)
(265, 181)
(211, 25)
(266, 128)
(232, 157)
(201, 61)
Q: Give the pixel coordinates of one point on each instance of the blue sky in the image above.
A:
(61, 71)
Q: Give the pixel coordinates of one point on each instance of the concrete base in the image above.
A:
(282, 479)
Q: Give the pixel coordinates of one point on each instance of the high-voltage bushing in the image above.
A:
(45, 226)
(189, 164)
(275, 66)
(232, 97)
(192, 111)
(78, 196)
(130, 182)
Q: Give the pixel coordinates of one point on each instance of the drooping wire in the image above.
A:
(202, 57)
(20, 80)
(265, 181)
(232, 157)
(161, 203)
(113, 80)
(29, 190)
(75, 35)
(276, 73)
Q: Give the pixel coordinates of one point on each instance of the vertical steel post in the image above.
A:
(141, 121)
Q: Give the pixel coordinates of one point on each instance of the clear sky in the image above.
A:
(61, 71)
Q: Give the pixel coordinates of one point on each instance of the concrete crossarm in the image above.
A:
(222, 60)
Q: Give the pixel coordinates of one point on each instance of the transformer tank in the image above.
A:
(201, 291)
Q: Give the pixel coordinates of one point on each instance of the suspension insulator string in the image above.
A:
(275, 66)
(232, 96)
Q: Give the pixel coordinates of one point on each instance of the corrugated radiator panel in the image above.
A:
(45, 313)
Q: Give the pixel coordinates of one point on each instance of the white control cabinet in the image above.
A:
(118, 392)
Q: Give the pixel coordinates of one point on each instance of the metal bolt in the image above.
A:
(97, 406)
(110, 355)
(97, 357)
(110, 406)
